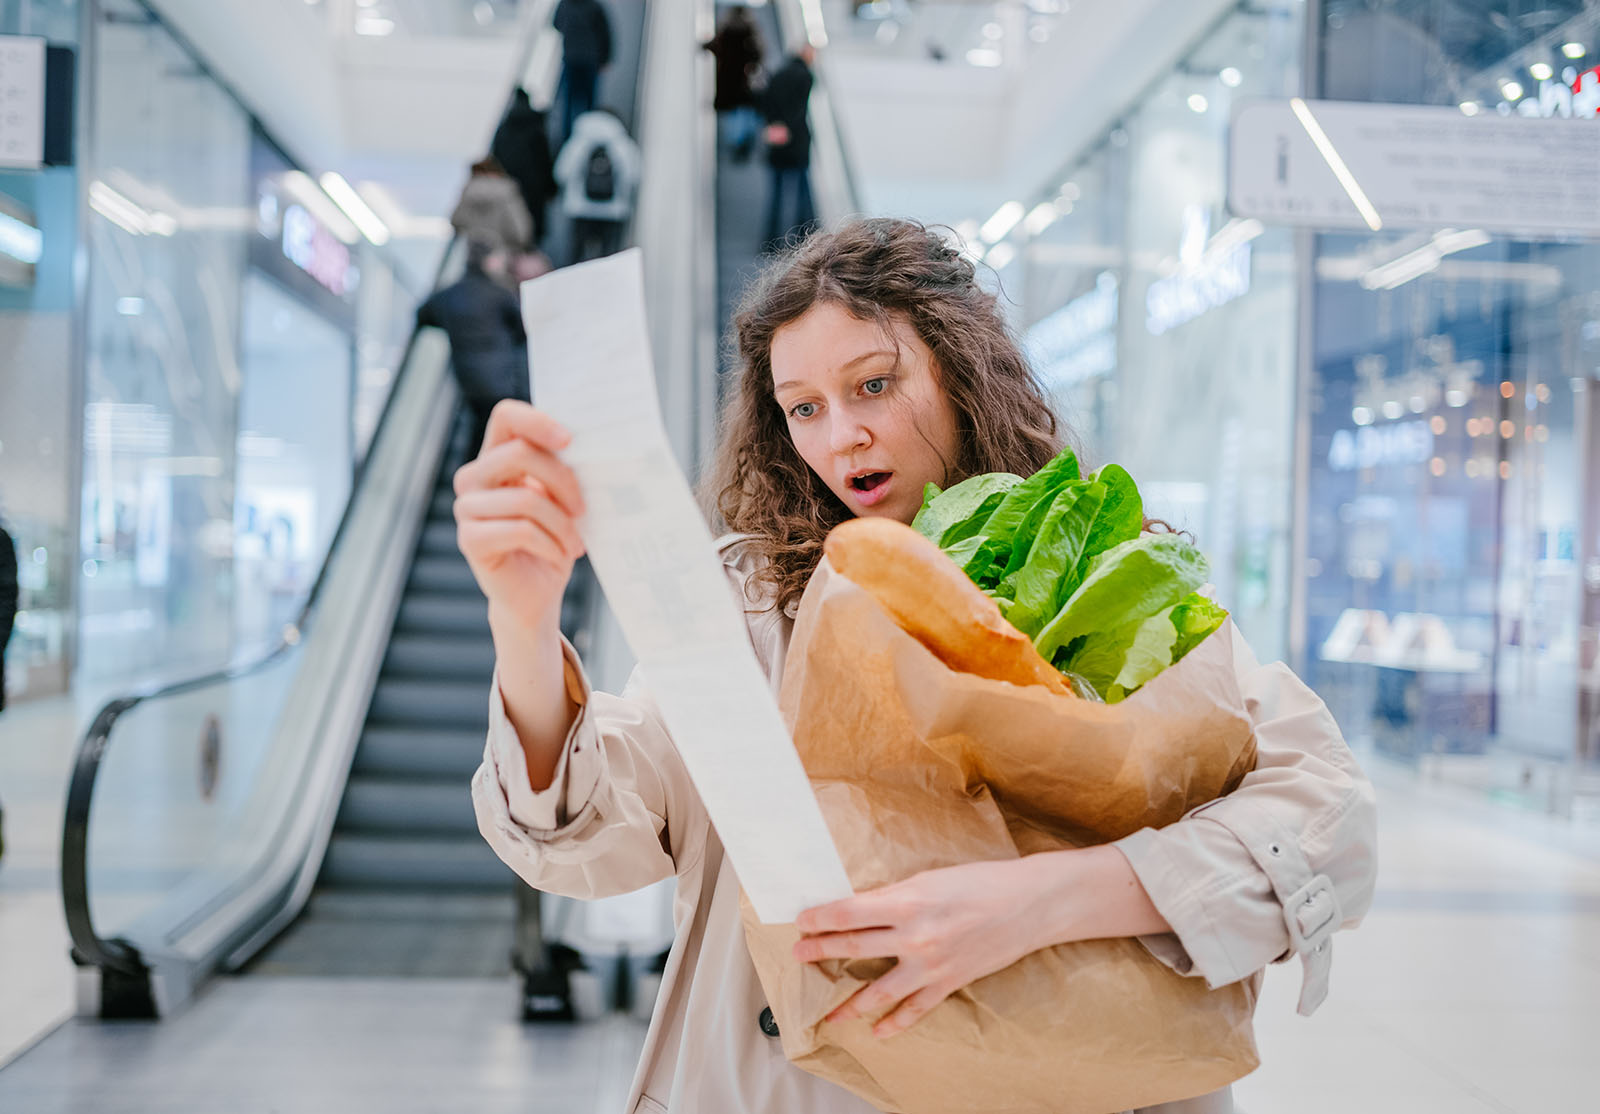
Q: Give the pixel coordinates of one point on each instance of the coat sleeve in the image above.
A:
(1277, 866)
(620, 813)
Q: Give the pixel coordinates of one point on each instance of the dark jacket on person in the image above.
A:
(9, 595)
(521, 144)
(787, 97)
(488, 347)
(738, 52)
(585, 33)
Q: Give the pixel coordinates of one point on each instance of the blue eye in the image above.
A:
(804, 410)
(882, 385)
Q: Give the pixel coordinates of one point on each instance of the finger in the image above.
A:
(876, 909)
(512, 418)
(521, 502)
(485, 539)
(871, 944)
(902, 981)
(515, 462)
(911, 1011)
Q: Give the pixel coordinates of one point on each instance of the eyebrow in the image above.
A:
(863, 358)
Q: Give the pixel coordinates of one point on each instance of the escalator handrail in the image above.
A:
(117, 954)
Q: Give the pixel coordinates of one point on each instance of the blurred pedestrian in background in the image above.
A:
(521, 144)
(599, 173)
(737, 47)
(585, 51)
(788, 136)
(491, 210)
(488, 346)
(9, 593)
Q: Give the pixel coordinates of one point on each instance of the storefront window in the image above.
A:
(1167, 331)
(1452, 577)
(221, 332)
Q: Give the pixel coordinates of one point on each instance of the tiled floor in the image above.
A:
(1473, 986)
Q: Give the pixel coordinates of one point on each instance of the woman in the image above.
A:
(873, 363)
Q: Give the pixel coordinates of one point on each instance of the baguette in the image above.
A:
(931, 599)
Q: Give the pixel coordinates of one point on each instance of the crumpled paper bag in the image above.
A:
(918, 767)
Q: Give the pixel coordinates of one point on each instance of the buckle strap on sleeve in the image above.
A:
(1310, 904)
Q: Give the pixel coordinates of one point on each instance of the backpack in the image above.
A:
(600, 179)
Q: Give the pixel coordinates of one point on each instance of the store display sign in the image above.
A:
(1204, 280)
(1336, 164)
(21, 101)
(1079, 340)
(1378, 446)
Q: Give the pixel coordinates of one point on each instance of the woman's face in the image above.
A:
(864, 409)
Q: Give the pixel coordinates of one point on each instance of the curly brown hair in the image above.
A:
(877, 270)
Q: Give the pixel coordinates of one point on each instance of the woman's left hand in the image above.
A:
(947, 928)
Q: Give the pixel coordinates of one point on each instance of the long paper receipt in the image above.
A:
(655, 558)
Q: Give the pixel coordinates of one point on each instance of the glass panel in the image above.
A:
(1452, 459)
(37, 423)
(168, 237)
(1166, 330)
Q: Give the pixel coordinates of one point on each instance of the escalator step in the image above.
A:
(446, 574)
(432, 612)
(413, 864)
(398, 752)
(463, 705)
(387, 807)
(438, 537)
(440, 657)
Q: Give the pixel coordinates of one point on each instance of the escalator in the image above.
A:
(334, 834)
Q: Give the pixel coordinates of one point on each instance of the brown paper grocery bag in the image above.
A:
(918, 767)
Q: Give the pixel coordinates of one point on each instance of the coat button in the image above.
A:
(768, 1023)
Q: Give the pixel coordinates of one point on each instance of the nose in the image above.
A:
(848, 435)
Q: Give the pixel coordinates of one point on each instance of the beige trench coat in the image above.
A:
(1269, 871)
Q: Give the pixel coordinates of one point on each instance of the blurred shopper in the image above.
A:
(585, 51)
(599, 173)
(491, 210)
(521, 144)
(488, 347)
(788, 97)
(737, 47)
(9, 593)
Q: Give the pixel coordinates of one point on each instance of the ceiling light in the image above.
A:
(983, 56)
(1070, 191)
(993, 31)
(298, 185)
(1511, 89)
(1198, 102)
(967, 230)
(1231, 77)
(1542, 71)
(366, 25)
(1330, 155)
(1005, 218)
(1573, 50)
(1471, 108)
(359, 212)
(20, 240)
(1041, 217)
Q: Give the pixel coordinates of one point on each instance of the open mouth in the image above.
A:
(869, 481)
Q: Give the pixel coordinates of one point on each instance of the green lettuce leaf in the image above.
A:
(1036, 587)
(1195, 619)
(1129, 583)
(1012, 526)
(951, 516)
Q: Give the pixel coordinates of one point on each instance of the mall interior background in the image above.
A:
(1393, 466)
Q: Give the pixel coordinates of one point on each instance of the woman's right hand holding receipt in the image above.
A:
(516, 509)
